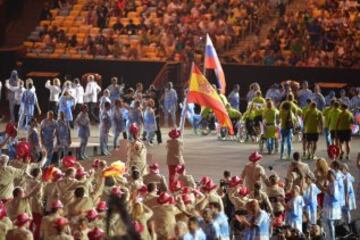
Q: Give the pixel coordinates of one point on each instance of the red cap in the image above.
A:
(234, 181)
(204, 180)
(154, 168)
(101, 206)
(57, 204)
(117, 192)
(164, 198)
(60, 222)
(68, 161)
(187, 199)
(57, 174)
(134, 129)
(80, 172)
(186, 190)
(96, 234)
(11, 130)
(143, 189)
(22, 149)
(210, 186)
(21, 219)
(243, 191)
(96, 163)
(255, 156)
(91, 215)
(174, 133)
(180, 169)
(177, 185)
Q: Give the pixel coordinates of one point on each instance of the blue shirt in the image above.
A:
(304, 95)
(170, 99)
(65, 106)
(115, 91)
(234, 100)
(310, 195)
(83, 123)
(340, 183)
(63, 131)
(211, 230)
(274, 94)
(118, 120)
(262, 229)
(105, 121)
(48, 129)
(28, 101)
(198, 235)
(319, 99)
(222, 220)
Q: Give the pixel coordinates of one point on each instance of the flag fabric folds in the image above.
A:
(201, 92)
(212, 62)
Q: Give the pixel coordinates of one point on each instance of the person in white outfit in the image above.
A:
(91, 96)
(17, 91)
(14, 82)
(79, 95)
(55, 91)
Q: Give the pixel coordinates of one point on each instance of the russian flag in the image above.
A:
(212, 62)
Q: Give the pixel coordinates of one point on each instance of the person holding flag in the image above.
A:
(203, 93)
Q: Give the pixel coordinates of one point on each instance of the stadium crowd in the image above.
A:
(325, 34)
(167, 30)
(46, 193)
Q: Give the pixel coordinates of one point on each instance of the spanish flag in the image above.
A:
(212, 62)
(201, 92)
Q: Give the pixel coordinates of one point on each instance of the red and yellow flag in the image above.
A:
(201, 92)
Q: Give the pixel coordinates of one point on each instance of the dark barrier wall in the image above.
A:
(130, 71)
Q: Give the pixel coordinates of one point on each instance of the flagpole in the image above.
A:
(183, 111)
(204, 69)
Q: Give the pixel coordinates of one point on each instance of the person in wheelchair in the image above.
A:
(248, 118)
(207, 122)
(234, 115)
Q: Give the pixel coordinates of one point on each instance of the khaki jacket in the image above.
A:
(64, 190)
(252, 173)
(175, 149)
(158, 179)
(18, 206)
(62, 236)
(47, 230)
(187, 180)
(150, 200)
(7, 176)
(5, 226)
(19, 234)
(165, 220)
(137, 156)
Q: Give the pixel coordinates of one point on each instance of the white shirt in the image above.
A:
(79, 94)
(18, 91)
(91, 92)
(54, 91)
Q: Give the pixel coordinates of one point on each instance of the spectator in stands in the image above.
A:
(118, 26)
(102, 14)
(45, 13)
